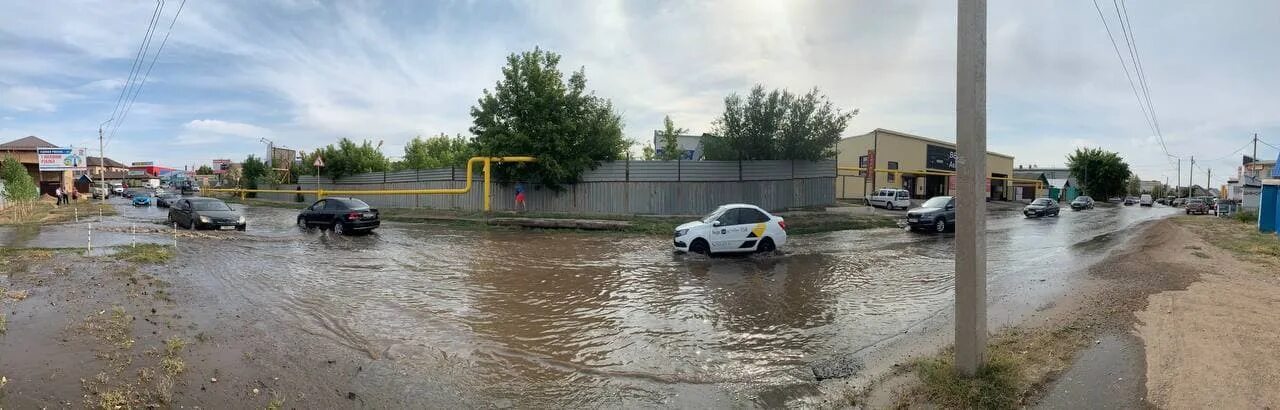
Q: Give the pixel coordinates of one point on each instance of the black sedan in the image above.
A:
(1041, 207)
(205, 213)
(343, 215)
(166, 200)
(1082, 202)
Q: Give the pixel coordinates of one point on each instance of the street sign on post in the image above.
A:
(319, 163)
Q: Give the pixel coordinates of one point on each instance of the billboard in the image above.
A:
(281, 158)
(221, 166)
(61, 159)
(144, 164)
(940, 158)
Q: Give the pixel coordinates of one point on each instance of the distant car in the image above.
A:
(1145, 200)
(117, 189)
(205, 213)
(1178, 202)
(1197, 206)
(1042, 207)
(100, 192)
(1128, 201)
(342, 215)
(1082, 202)
(165, 200)
(890, 199)
(937, 214)
(732, 228)
(141, 199)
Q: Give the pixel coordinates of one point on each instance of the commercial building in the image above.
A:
(24, 150)
(925, 167)
(1058, 182)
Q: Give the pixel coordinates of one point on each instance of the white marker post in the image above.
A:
(175, 235)
(89, 246)
(133, 237)
(971, 168)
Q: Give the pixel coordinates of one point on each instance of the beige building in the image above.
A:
(923, 166)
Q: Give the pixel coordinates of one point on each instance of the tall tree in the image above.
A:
(18, 185)
(252, 170)
(670, 140)
(349, 158)
(1134, 185)
(647, 152)
(440, 151)
(204, 170)
(533, 111)
(776, 125)
(1102, 174)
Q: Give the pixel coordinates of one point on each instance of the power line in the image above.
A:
(138, 89)
(1268, 144)
(1126, 24)
(1133, 87)
(1246, 145)
(146, 39)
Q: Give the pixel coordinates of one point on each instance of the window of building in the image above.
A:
(893, 166)
(862, 163)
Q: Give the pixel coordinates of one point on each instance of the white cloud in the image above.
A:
(28, 98)
(200, 132)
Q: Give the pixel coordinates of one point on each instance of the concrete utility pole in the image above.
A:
(971, 168)
(102, 162)
(1255, 155)
(1175, 188)
(1191, 175)
(1208, 182)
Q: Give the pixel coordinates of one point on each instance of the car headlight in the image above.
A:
(681, 232)
(241, 220)
(204, 219)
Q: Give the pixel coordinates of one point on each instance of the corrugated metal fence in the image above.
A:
(621, 187)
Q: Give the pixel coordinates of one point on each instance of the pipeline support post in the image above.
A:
(487, 161)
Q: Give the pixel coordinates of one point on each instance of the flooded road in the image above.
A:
(542, 318)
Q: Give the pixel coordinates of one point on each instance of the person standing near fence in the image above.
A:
(57, 194)
(520, 204)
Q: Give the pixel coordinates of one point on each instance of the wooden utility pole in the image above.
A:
(971, 166)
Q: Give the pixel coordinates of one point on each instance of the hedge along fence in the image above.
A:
(619, 187)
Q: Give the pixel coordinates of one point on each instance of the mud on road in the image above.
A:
(422, 315)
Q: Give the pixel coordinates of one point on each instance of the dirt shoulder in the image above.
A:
(1213, 344)
(1026, 360)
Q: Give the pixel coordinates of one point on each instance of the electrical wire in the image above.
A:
(1147, 116)
(146, 39)
(1126, 24)
(138, 89)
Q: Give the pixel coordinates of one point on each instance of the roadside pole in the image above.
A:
(971, 165)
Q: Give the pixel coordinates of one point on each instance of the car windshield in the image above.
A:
(936, 202)
(711, 216)
(1195, 201)
(1082, 199)
(209, 206)
(1041, 201)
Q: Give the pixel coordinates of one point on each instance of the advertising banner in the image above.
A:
(940, 158)
(221, 166)
(61, 159)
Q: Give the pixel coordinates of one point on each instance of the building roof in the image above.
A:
(111, 163)
(1025, 174)
(929, 140)
(29, 143)
(1059, 183)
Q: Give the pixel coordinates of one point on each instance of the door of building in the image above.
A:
(935, 185)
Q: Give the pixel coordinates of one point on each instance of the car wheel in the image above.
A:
(700, 246)
(192, 225)
(338, 228)
(766, 245)
(302, 223)
(940, 225)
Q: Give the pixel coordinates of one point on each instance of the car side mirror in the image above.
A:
(950, 207)
(715, 223)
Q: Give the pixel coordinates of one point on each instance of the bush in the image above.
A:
(18, 185)
(1246, 216)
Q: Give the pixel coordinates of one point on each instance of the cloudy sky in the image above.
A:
(304, 73)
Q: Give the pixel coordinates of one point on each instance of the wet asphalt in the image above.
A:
(546, 318)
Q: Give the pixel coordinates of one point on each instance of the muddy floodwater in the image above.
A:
(525, 318)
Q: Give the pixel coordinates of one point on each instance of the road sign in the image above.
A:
(319, 162)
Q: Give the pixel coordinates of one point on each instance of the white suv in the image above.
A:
(732, 228)
(891, 199)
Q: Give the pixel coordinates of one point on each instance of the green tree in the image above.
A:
(647, 152)
(776, 125)
(252, 171)
(1134, 185)
(204, 170)
(670, 140)
(1159, 191)
(1102, 174)
(440, 151)
(533, 111)
(349, 158)
(18, 185)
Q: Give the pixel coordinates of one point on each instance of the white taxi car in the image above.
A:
(732, 228)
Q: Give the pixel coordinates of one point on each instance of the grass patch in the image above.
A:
(144, 253)
(4, 323)
(1242, 239)
(997, 385)
(45, 212)
(15, 260)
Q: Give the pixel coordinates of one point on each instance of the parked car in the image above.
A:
(1145, 200)
(937, 214)
(732, 228)
(1042, 207)
(141, 199)
(165, 200)
(1197, 206)
(890, 199)
(1128, 201)
(343, 215)
(117, 189)
(205, 213)
(100, 192)
(1179, 202)
(1082, 202)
